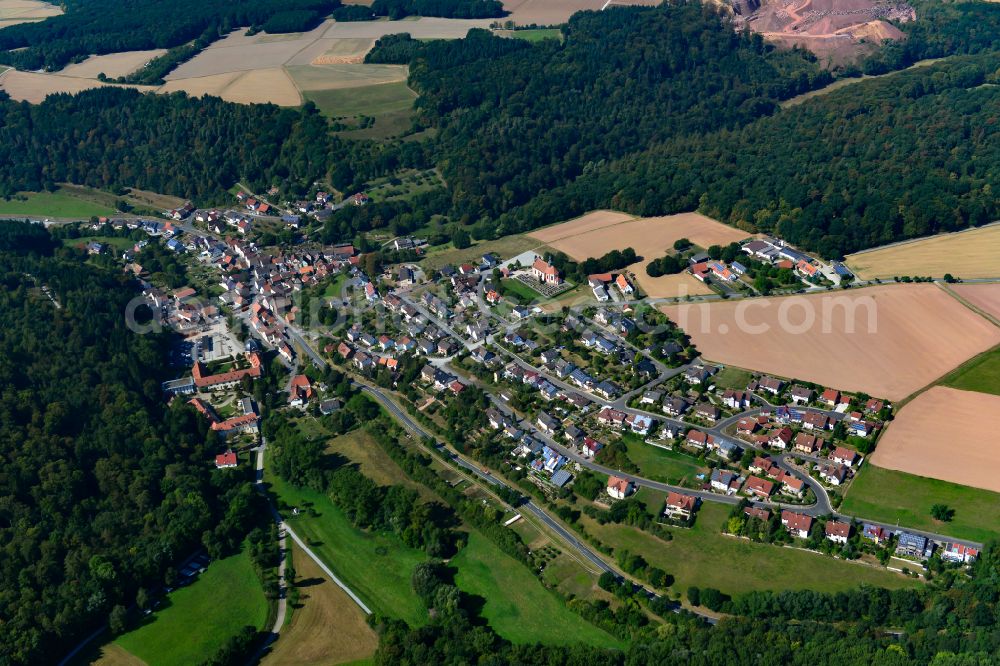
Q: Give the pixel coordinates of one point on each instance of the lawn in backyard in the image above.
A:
(982, 374)
(119, 244)
(662, 465)
(704, 557)
(890, 496)
(522, 291)
(376, 566)
(195, 620)
(516, 604)
(732, 378)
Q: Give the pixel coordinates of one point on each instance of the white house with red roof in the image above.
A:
(620, 488)
(226, 460)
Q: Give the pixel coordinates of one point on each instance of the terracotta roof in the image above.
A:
(837, 528)
(796, 521)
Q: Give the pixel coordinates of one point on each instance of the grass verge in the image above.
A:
(890, 496)
(702, 556)
(982, 374)
(515, 603)
(376, 566)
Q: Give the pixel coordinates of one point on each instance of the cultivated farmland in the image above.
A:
(13, 12)
(895, 348)
(597, 233)
(112, 65)
(986, 297)
(965, 254)
(547, 12)
(667, 286)
(946, 434)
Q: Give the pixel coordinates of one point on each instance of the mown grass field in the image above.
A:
(980, 374)
(376, 566)
(732, 378)
(890, 496)
(663, 465)
(702, 556)
(505, 248)
(374, 100)
(516, 604)
(522, 291)
(197, 619)
(534, 35)
(326, 627)
(60, 203)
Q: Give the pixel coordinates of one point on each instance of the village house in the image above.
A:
(758, 487)
(680, 506)
(844, 456)
(707, 411)
(674, 406)
(300, 391)
(830, 397)
(226, 460)
(547, 422)
(765, 466)
(757, 512)
(639, 424)
(797, 524)
(624, 286)
(834, 475)
(807, 444)
(876, 533)
(791, 485)
(724, 481)
(747, 425)
(815, 421)
(736, 399)
(837, 531)
(800, 394)
(611, 417)
(780, 438)
(913, 545)
(590, 447)
(698, 439)
(619, 488)
(959, 552)
(771, 385)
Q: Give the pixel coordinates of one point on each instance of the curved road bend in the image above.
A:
(535, 510)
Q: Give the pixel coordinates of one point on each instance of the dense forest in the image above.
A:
(517, 119)
(197, 148)
(906, 156)
(102, 488)
(107, 26)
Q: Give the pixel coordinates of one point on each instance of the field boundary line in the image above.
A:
(909, 241)
(958, 297)
(322, 565)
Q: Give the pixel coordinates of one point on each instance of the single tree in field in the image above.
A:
(942, 512)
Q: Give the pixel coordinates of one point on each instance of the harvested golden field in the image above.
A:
(343, 51)
(548, 12)
(35, 86)
(887, 341)
(966, 254)
(112, 65)
(986, 297)
(13, 12)
(667, 286)
(598, 233)
(327, 628)
(946, 434)
(592, 221)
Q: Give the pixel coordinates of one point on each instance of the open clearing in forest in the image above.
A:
(946, 434)
(597, 233)
(327, 627)
(965, 254)
(986, 297)
(189, 624)
(112, 65)
(887, 341)
(13, 12)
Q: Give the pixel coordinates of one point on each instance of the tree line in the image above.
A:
(104, 488)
